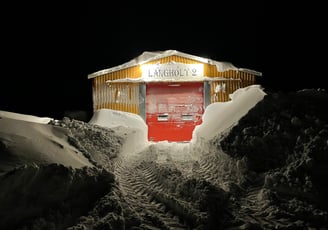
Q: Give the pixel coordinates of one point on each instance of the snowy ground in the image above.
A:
(256, 162)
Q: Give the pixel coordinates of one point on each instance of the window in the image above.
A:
(163, 117)
(187, 117)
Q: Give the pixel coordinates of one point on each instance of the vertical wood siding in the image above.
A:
(125, 96)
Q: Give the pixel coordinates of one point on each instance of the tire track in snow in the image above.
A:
(144, 194)
(161, 190)
(143, 179)
(250, 211)
(215, 167)
(256, 212)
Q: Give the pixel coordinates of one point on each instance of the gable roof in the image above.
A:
(148, 56)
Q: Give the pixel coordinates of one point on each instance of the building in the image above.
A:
(168, 89)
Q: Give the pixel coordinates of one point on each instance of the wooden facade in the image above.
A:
(110, 93)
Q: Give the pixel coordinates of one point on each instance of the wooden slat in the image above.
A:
(125, 96)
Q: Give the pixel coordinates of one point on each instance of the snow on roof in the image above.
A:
(148, 56)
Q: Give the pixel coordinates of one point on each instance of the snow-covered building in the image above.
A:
(168, 89)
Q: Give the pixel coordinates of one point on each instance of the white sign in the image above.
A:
(173, 71)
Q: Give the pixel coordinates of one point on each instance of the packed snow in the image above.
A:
(256, 162)
(129, 125)
(217, 118)
(220, 116)
(30, 141)
(25, 117)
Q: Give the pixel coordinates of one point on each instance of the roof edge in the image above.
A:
(148, 56)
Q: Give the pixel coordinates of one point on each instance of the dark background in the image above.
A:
(48, 51)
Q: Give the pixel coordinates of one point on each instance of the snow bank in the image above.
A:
(50, 196)
(23, 142)
(129, 125)
(220, 116)
(99, 144)
(25, 117)
(217, 118)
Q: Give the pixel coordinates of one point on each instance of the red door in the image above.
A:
(173, 110)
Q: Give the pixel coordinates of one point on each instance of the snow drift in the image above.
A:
(268, 170)
(128, 125)
(281, 146)
(25, 142)
(25, 117)
(220, 116)
(50, 196)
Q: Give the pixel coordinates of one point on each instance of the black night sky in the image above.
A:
(47, 55)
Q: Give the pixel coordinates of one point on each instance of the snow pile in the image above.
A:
(128, 125)
(24, 142)
(25, 117)
(268, 170)
(99, 144)
(282, 143)
(53, 174)
(50, 196)
(219, 117)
